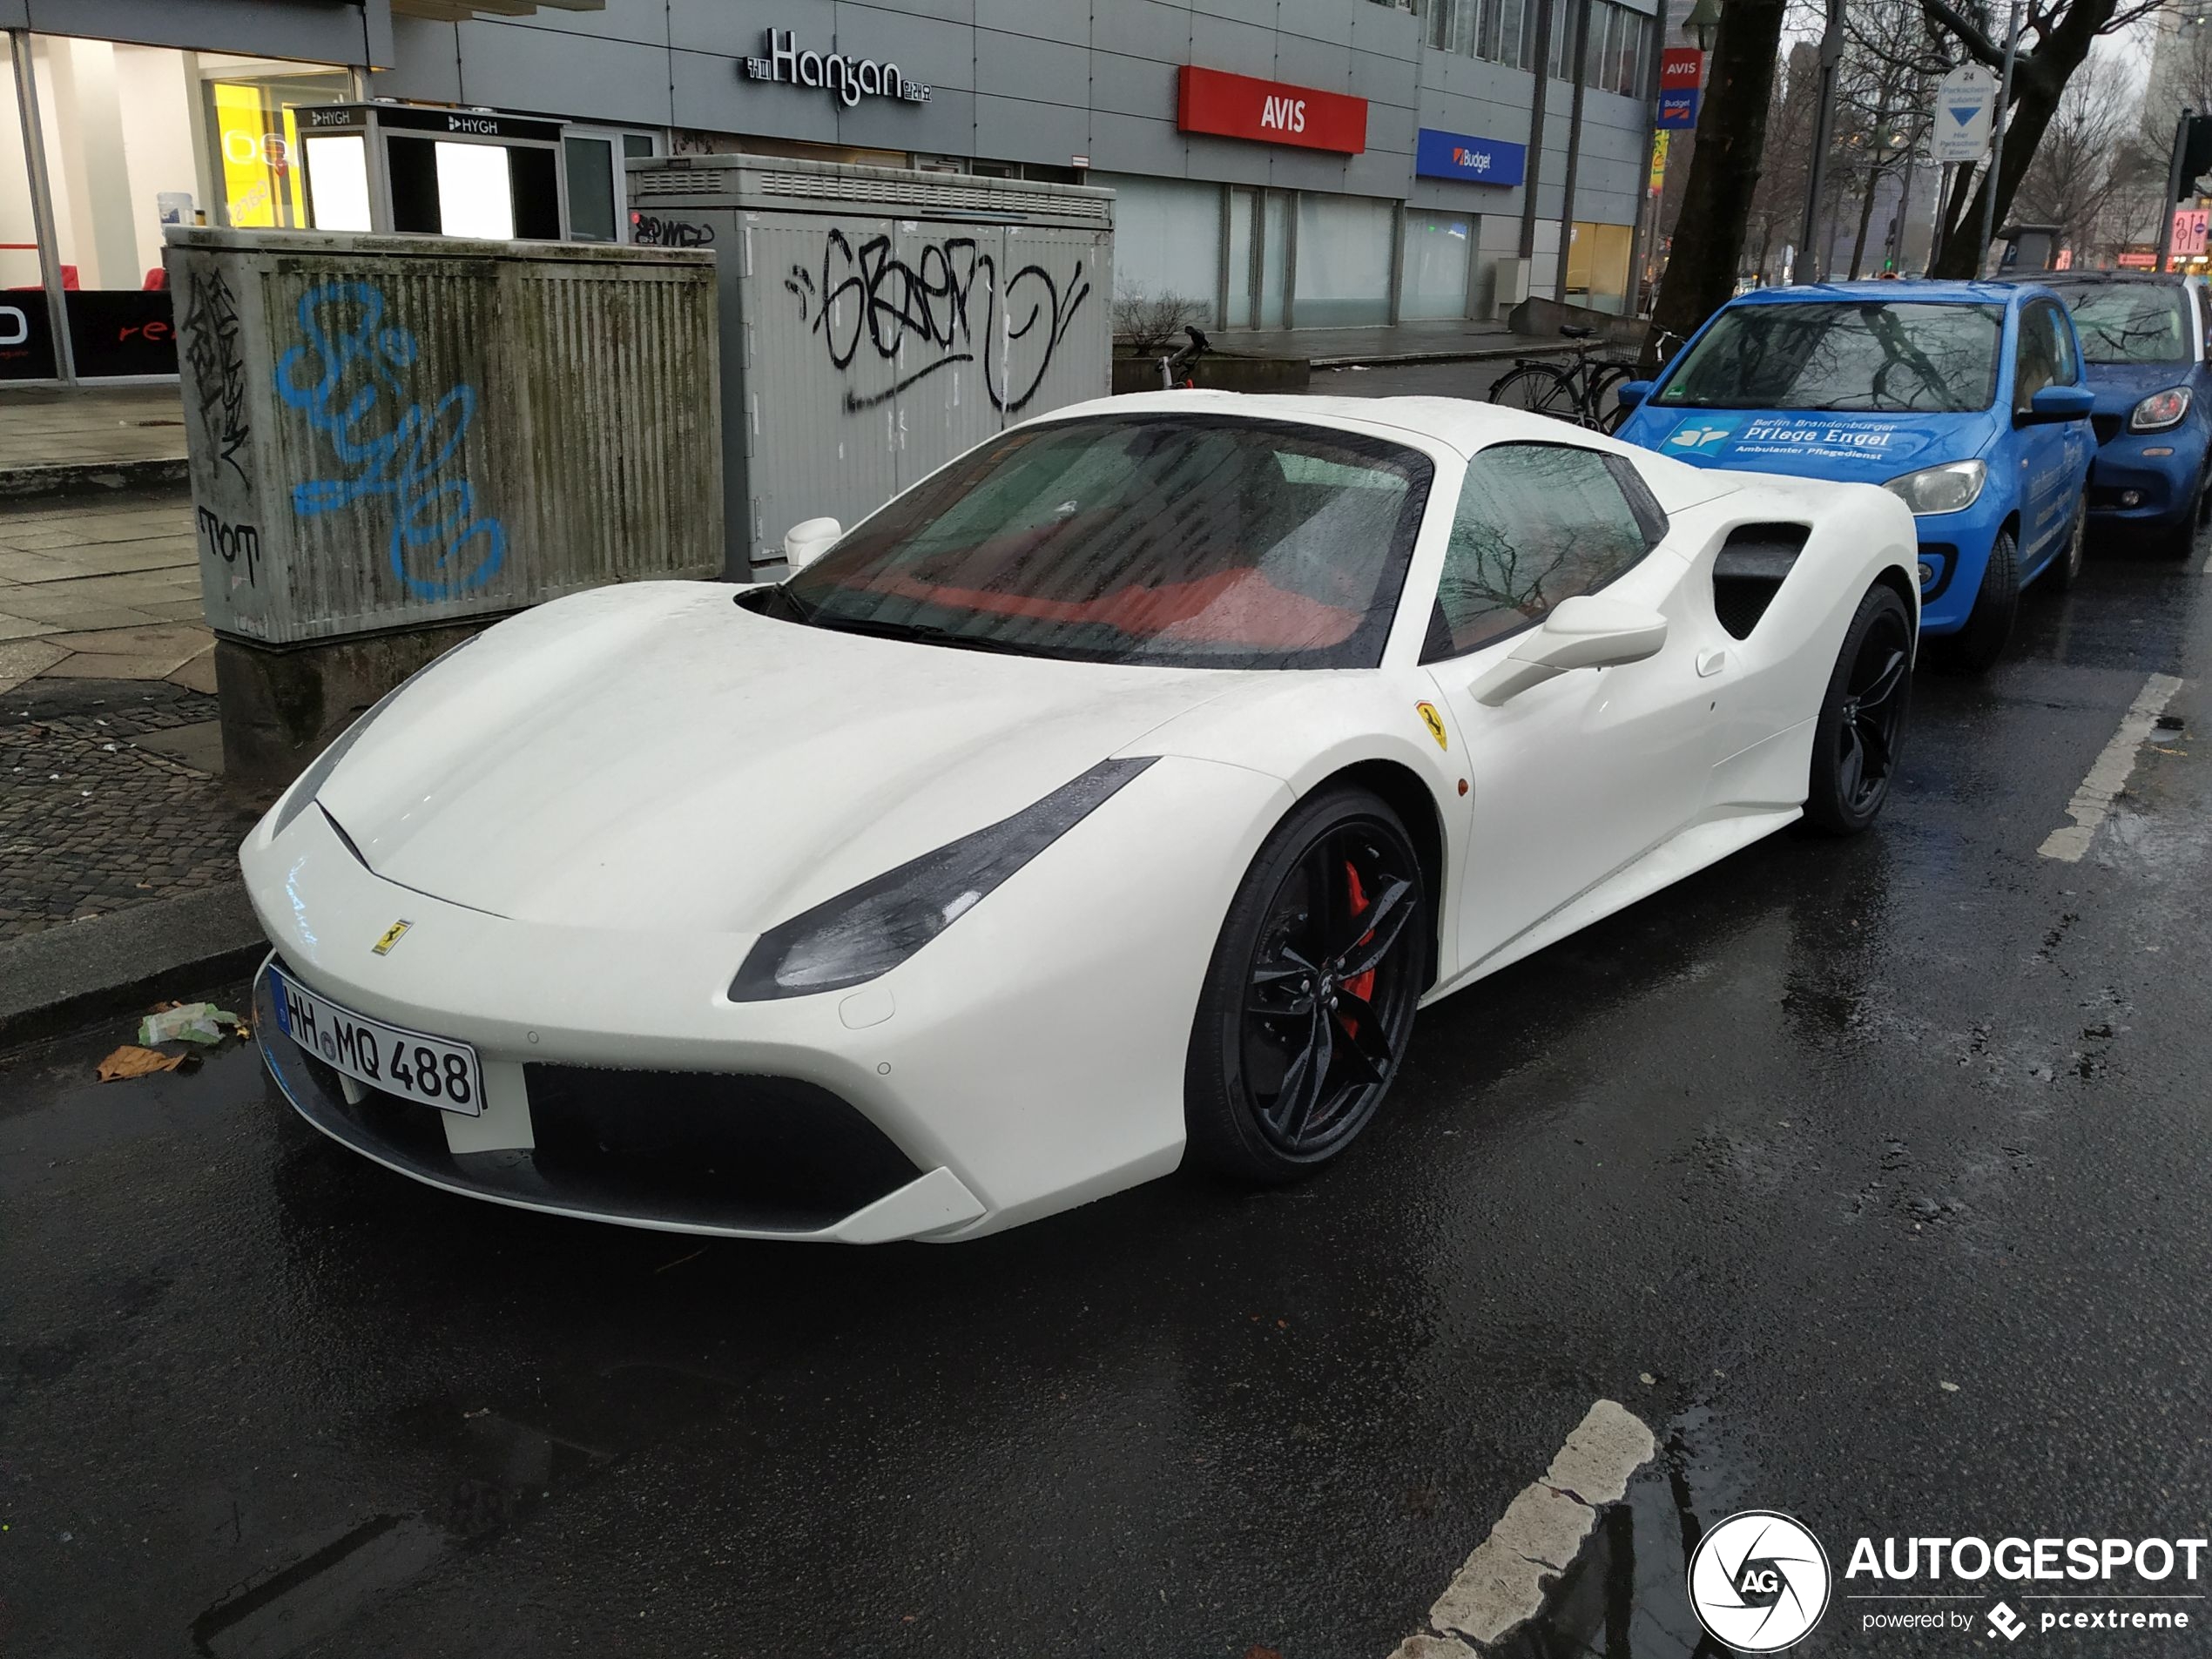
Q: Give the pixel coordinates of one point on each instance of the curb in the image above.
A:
(77, 972)
(90, 477)
(1470, 354)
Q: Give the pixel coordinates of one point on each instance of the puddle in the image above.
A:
(503, 1463)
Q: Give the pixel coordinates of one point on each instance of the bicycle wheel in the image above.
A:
(1606, 379)
(1540, 389)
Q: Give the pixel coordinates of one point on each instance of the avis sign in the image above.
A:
(1244, 106)
(1965, 105)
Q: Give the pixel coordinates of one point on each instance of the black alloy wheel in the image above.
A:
(1861, 724)
(1308, 1003)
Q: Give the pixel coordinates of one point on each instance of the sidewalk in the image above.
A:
(130, 437)
(104, 589)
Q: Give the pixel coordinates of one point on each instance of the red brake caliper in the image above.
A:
(1364, 986)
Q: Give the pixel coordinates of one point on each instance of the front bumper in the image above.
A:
(1955, 549)
(1028, 1058)
(2129, 484)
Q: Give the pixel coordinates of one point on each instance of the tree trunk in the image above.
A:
(1724, 171)
(2039, 79)
(1865, 212)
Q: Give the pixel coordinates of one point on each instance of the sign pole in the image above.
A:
(1997, 145)
(2173, 190)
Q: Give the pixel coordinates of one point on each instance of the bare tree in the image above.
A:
(2089, 158)
(1148, 321)
(2054, 42)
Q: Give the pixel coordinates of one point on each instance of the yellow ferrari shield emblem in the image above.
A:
(1434, 721)
(393, 934)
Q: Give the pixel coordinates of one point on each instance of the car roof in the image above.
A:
(1905, 291)
(2063, 278)
(1459, 423)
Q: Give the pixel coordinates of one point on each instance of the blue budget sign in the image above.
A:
(1460, 155)
(1678, 109)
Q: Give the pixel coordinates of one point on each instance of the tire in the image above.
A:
(1606, 380)
(1860, 729)
(1976, 647)
(1274, 995)
(1539, 389)
(2066, 570)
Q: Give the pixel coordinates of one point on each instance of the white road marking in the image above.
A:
(2207, 571)
(1538, 1537)
(2109, 775)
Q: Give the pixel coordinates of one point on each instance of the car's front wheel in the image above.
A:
(1989, 626)
(1309, 1002)
(2066, 570)
(1861, 724)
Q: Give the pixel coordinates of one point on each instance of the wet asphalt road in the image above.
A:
(1769, 1158)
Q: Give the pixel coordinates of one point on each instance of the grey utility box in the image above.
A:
(390, 433)
(876, 321)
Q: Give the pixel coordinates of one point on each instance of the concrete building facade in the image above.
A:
(1280, 163)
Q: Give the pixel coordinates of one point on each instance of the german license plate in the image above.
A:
(411, 1065)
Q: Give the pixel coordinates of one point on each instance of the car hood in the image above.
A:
(1850, 448)
(653, 757)
(2120, 387)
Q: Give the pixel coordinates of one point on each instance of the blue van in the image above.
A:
(1966, 399)
(2145, 341)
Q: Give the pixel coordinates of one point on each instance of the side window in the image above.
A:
(1535, 523)
(2036, 360)
(2063, 345)
(2203, 316)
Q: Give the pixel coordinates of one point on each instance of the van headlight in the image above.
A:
(1952, 488)
(2159, 410)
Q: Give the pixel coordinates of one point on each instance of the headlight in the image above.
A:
(1952, 488)
(2160, 409)
(871, 929)
(310, 782)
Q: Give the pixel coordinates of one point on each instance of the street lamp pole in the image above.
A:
(1823, 134)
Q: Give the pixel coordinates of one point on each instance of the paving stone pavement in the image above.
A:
(103, 588)
(102, 806)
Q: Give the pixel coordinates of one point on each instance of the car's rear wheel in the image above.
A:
(1309, 1000)
(1977, 646)
(1861, 724)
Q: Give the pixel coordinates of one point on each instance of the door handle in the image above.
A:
(1710, 663)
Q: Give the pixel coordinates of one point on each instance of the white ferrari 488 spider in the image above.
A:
(1115, 795)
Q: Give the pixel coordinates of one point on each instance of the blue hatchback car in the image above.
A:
(2144, 339)
(1966, 399)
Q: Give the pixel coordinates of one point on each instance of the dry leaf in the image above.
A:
(131, 1060)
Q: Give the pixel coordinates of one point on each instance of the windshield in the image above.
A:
(2129, 322)
(1191, 540)
(1868, 356)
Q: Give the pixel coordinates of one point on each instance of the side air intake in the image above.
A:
(1749, 571)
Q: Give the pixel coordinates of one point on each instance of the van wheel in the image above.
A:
(1976, 647)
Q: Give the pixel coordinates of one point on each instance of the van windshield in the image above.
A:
(1862, 355)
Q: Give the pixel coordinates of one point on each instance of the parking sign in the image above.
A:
(1965, 105)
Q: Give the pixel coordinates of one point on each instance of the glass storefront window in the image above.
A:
(1434, 283)
(136, 137)
(1167, 239)
(1597, 265)
(1343, 249)
(26, 339)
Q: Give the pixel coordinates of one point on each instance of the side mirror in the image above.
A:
(2055, 403)
(1631, 394)
(1588, 630)
(808, 540)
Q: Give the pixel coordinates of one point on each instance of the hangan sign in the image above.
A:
(1478, 161)
(847, 79)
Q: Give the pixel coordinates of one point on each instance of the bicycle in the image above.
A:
(1583, 395)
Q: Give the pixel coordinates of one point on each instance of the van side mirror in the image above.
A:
(1588, 630)
(808, 540)
(2056, 403)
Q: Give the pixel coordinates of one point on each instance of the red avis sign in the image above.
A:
(1681, 69)
(1242, 106)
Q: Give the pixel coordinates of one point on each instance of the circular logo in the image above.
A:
(1758, 1581)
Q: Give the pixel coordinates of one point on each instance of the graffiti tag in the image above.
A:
(230, 542)
(350, 376)
(649, 230)
(218, 370)
(950, 299)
